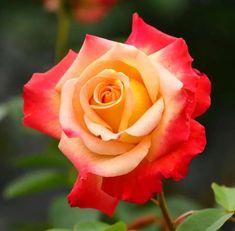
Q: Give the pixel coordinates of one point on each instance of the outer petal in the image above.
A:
(174, 126)
(92, 48)
(41, 100)
(86, 161)
(178, 61)
(136, 187)
(140, 185)
(202, 96)
(175, 164)
(147, 38)
(87, 193)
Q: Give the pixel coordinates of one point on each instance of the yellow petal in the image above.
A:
(141, 101)
(141, 104)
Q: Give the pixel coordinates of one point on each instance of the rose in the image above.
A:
(85, 10)
(124, 114)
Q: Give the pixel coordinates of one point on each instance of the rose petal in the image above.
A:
(175, 165)
(141, 101)
(176, 58)
(147, 38)
(87, 91)
(86, 161)
(92, 48)
(41, 101)
(143, 126)
(141, 184)
(133, 58)
(87, 193)
(174, 126)
(137, 187)
(99, 130)
(73, 125)
(178, 61)
(202, 97)
(148, 121)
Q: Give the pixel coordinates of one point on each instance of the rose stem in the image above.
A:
(63, 30)
(165, 211)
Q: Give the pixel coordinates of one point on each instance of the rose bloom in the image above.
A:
(84, 10)
(124, 114)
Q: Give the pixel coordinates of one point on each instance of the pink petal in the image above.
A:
(174, 126)
(87, 161)
(92, 48)
(176, 58)
(178, 61)
(147, 38)
(87, 193)
(41, 100)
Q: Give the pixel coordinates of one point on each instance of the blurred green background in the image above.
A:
(27, 45)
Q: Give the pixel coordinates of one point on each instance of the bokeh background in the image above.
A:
(27, 45)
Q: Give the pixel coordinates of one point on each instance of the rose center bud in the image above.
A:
(107, 101)
(109, 94)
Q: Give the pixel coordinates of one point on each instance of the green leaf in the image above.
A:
(205, 220)
(179, 205)
(36, 181)
(224, 196)
(119, 226)
(63, 216)
(91, 226)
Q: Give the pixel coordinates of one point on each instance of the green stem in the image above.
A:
(63, 31)
(165, 211)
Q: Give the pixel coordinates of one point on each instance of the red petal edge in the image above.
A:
(202, 95)
(41, 100)
(140, 185)
(147, 38)
(87, 193)
(175, 165)
(136, 187)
